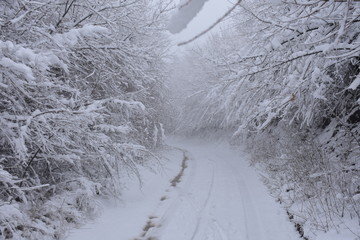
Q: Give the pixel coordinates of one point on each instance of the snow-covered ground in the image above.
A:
(219, 197)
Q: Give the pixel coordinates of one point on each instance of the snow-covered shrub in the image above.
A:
(287, 84)
(77, 109)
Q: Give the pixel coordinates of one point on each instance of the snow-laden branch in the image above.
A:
(212, 26)
(187, 10)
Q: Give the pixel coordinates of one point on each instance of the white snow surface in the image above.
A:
(219, 197)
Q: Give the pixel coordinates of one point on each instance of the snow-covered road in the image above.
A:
(219, 197)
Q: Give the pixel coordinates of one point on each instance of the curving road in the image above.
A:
(205, 191)
(219, 198)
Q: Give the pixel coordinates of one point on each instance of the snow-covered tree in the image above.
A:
(288, 84)
(79, 83)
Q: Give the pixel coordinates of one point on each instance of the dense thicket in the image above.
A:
(80, 91)
(285, 80)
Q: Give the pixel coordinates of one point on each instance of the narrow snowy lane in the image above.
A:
(210, 194)
(220, 198)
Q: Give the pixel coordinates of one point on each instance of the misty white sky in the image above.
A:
(212, 10)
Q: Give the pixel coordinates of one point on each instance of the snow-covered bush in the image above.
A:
(77, 86)
(287, 83)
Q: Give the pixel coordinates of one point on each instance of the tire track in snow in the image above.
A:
(205, 206)
(181, 191)
(213, 230)
(253, 229)
(205, 222)
(218, 199)
(220, 230)
(151, 227)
